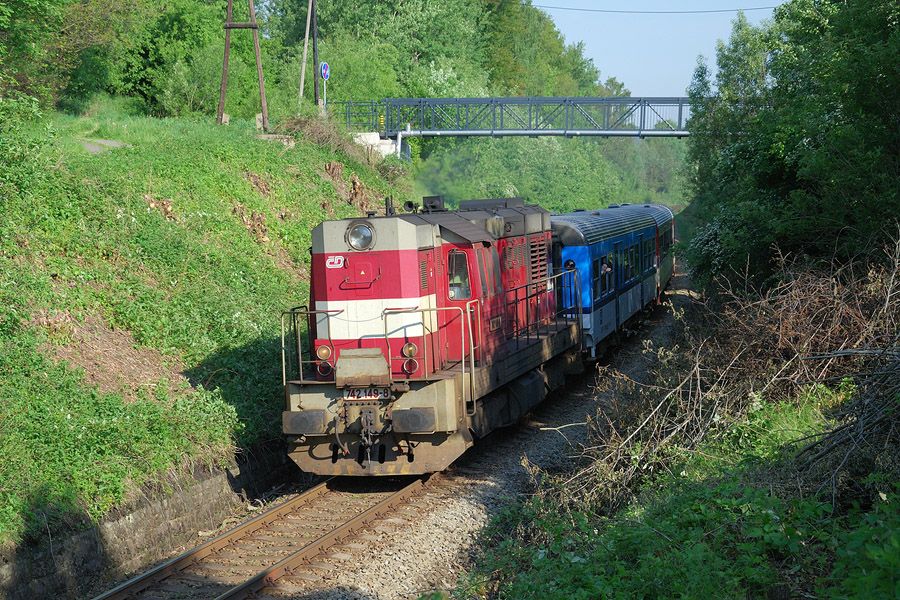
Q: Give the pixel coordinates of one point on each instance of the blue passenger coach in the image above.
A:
(624, 260)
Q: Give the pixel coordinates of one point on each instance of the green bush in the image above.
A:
(792, 141)
(23, 141)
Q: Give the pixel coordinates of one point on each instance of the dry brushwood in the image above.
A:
(751, 345)
(324, 132)
(867, 423)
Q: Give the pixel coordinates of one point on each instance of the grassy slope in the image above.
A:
(198, 286)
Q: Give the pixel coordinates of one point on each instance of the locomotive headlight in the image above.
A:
(360, 236)
(409, 349)
(323, 352)
(570, 265)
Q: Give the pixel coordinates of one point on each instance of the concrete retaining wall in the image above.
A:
(84, 564)
(371, 139)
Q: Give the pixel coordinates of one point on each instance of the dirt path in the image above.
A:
(98, 146)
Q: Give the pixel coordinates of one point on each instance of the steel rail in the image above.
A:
(141, 582)
(268, 577)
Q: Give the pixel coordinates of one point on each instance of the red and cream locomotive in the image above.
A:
(425, 331)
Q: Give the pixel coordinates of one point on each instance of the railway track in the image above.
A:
(273, 549)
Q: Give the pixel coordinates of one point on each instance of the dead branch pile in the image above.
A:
(866, 436)
(323, 132)
(748, 347)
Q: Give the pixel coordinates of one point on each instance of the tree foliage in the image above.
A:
(166, 53)
(796, 141)
(168, 56)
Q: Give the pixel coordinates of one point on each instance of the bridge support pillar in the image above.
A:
(372, 140)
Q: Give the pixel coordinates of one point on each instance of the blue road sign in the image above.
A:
(325, 71)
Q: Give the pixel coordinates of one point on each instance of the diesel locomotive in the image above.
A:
(429, 329)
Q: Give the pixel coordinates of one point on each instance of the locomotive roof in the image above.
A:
(472, 221)
(454, 222)
(584, 228)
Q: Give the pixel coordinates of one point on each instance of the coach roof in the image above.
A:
(584, 228)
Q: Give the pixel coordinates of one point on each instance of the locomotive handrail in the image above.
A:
(399, 310)
(283, 350)
(473, 347)
(293, 314)
(480, 336)
(539, 289)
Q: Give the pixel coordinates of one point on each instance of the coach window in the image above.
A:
(629, 256)
(595, 276)
(605, 275)
(458, 274)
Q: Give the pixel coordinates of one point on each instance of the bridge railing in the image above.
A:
(566, 116)
(365, 115)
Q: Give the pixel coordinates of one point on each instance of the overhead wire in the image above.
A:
(652, 12)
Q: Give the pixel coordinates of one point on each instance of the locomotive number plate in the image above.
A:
(372, 393)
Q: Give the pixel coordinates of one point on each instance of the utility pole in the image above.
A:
(229, 25)
(223, 86)
(309, 10)
(315, 25)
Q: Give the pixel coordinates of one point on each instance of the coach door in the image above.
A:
(458, 287)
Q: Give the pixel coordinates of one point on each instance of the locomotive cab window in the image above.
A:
(458, 276)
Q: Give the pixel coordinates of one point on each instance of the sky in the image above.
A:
(653, 55)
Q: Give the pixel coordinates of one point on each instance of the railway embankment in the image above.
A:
(144, 264)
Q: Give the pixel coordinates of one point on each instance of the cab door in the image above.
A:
(458, 287)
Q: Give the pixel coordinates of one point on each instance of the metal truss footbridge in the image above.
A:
(517, 116)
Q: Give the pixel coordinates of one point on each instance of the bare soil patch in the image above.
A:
(258, 183)
(255, 222)
(357, 194)
(164, 206)
(111, 359)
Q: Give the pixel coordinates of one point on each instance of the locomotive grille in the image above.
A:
(423, 275)
(539, 262)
